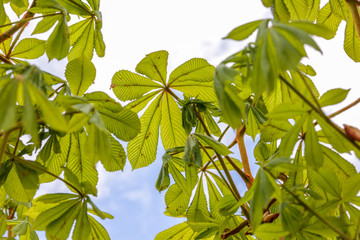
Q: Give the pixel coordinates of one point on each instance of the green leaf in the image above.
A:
(192, 153)
(99, 43)
(50, 113)
(98, 232)
(57, 45)
(142, 149)
(280, 11)
(291, 137)
(201, 90)
(179, 231)
(286, 111)
(313, 153)
(78, 161)
(351, 188)
(122, 122)
(80, 73)
(55, 197)
(21, 183)
(327, 180)
(117, 162)
(244, 31)
(55, 160)
(233, 108)
(274, 129)
(264, 188)
(172, 132)
(352, 42)
(129, 86)
(215, 145)
(29, 48)
(330, 20)
(340, 8)
(84, 45)
(21, 228)
(8, 110)
(176, 200)
(333, 96)
(75, 7)
(163, 180)
(196, 69)
(46, 23)
(29, 118)
(270, 231)
(303, 10)
(82, 227)
(60, 228)
(198, 210)
(154, 66)
(53, 213)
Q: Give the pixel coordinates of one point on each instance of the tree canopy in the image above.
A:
(56, 129)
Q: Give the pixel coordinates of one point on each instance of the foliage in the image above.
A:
(304, 188)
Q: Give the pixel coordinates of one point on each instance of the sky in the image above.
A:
(186, 29)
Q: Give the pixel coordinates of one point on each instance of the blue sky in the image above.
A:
(186, 29)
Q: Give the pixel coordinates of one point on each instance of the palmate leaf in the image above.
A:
(193, 78)
(84, 45)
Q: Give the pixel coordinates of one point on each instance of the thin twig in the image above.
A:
(344, 108)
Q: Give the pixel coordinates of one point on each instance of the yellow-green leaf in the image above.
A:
(352, 42)
(57, 46)
(142, 149)
(29, 48)
(154, 66)
(172, 132)
(129, 86)
(196, 69)
(80, 73)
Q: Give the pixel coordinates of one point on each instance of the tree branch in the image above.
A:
(25, 19)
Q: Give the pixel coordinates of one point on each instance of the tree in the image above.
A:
(51, 128)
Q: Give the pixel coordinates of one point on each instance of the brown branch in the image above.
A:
(235, 230)
(344, 108)
(11, 31)
(4, 59)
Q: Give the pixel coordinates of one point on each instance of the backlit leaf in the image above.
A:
(172, 132)
(154, 66)
(333, 96)
(142, 149)
(313, 153)
(244, 31)
(80, 73)
(196, 69)
(129, 86)
(29, 48)
(352, 42)
(57, 46)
